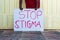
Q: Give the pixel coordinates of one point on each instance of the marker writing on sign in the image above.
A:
(33, 15)
(27, 24)
(30, 14)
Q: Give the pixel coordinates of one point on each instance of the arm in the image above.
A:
(20, 4)
(36, 4)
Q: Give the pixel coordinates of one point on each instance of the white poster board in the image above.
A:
(28, 20)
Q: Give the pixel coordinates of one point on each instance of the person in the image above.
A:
(30, 4)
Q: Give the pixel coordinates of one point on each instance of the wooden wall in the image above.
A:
(51, 15)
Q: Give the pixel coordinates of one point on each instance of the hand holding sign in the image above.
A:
(28, 20)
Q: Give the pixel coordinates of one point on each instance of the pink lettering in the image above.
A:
(27, 13)
(16, 22)
(34, 23)
(22, 22)
(30, 14)
(38, 24)
(39, 13)
(21, 16)
(33, 15)
(27, 24)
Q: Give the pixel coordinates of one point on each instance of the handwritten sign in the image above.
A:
(28, 20)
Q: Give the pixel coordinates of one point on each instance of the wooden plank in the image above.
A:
(1, 21)
(41, 3)
(4, 22)
(1, 7)
(45, 6)
(10, 22)
(17, 4)
(6, 7)
(56, 14)
(11, 8)
(49, 13)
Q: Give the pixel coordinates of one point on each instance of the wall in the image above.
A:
(51, 15)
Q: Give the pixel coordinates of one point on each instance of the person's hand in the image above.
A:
(20, 4)
(21, 8)
(35, 8)
(36, 4)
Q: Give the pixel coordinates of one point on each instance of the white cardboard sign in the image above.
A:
(28, 20)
